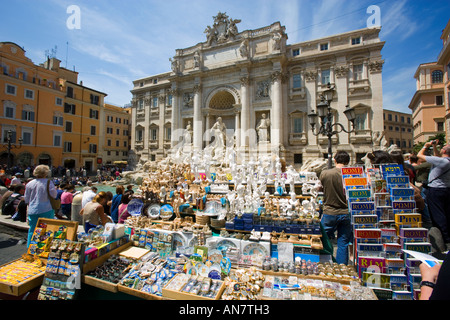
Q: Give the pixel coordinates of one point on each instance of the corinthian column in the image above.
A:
(176, 132)
(197, 139)
(276, 112)
(245, 114)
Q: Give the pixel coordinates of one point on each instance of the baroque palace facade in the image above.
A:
(254, 77)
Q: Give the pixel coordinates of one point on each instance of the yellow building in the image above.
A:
(82, 126)
(398, 129)
(116, 135)
(444, 60)
(31, 108)
(54, 118)
(427, 104)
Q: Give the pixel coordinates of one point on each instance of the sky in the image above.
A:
(111, 43)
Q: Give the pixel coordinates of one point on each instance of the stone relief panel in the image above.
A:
(263, 89)
(188, 99)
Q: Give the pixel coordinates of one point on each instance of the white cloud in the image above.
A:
(395, 20)
(399, 88)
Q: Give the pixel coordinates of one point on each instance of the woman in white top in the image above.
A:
(93, 213)
(37, 199)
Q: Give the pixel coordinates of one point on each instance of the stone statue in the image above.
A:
(263, 128)
(219, 132)
(232, 30)
(379, 141)
(210, 35)
(188, 133)
(174, 65)
(243, 49)
(196, 59)
(276, 41)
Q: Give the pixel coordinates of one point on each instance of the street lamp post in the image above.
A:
(10, 146)
(325, 114)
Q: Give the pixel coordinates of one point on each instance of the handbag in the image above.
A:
(56, 203)
(426, 183)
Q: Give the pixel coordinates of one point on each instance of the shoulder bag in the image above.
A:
(56, 203)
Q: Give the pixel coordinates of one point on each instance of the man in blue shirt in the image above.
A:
(438, 189)
(116, 200)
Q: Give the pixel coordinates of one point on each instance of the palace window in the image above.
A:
(69, 92)
(93, 114)
(69, 108)
(297, 125)
(68, 126)
(57, 138)
(357, 72)
(29, 94)
(92, 148)
(9, 109)
(27, 136)
(67, 146)
(28, 115)
(58, 120)
(356, 40)
(139, 134)
(153, 134)
(141, 104)
(10, 89)
(325, 76)
(296, 81)
(360, 121)
(437, 76)
(95, 99)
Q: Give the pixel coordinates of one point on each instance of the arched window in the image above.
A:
(437, 76)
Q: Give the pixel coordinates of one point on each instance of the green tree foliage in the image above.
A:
(439, 136)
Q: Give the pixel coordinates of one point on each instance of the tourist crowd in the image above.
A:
(25, 196)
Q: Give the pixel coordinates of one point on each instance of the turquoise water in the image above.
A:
(102, 187)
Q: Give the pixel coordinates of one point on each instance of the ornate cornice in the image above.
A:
(376, 66)
(197, 88)
(311, 75)
(174, 92)
(341, 71)
(278, 76)
(244, 81)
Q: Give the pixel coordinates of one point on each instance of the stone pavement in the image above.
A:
(7, 221)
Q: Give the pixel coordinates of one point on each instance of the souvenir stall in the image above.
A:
(244, 234)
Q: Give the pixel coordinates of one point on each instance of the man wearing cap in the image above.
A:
(16, 179)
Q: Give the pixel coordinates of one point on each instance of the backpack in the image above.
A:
(8, 205)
